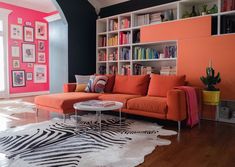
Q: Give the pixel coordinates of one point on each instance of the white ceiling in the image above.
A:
(47, 6)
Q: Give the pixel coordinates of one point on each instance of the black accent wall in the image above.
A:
(130, 6)
(81, 18)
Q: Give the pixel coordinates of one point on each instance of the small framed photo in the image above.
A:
(28, 53)
(40, 73)
(41, 58)
(28, 23)
(29, 76)
(15, 51)
(16, 63)
(16, 32)
(41, 30)
(41, 46)
(28, 34)
(19, 20)
(30, 65)
(18, 78)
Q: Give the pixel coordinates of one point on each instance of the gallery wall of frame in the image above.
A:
(27, 50)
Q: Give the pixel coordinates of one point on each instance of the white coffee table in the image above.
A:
(80, 106)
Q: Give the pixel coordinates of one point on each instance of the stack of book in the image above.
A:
(142, 19)
(126, 69)
(125, 54)
(113, 40)
(139, 69)
(98, 103)
(113, 25)
(170, 51)
(145, 53)
(155, 18)
(102, 41)
(113, 69)
(113, 55)
(102, 55)
(102, 69)
(227, 5)
(168, 70)
(125, 23)
(125, 38)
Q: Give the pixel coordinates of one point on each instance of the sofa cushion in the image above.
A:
(118, 97)
(110, 83)
(161, 84)
(136, 85)
(63, 101)
(149, 104)
(96, 84)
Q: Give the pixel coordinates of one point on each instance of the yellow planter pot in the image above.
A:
(211, 97)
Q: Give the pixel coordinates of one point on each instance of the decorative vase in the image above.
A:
(211, 97)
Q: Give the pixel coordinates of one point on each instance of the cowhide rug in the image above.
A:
(54, 143)
(11, 107)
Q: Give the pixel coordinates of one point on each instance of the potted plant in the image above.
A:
(204, 9)
(211, 94)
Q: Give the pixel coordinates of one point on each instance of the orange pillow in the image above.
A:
(137, 85)
(110, 83)
(161, 84)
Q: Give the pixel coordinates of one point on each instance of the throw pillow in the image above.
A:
(96, 84)
(81, 81)
(110, 83)
(161, 84)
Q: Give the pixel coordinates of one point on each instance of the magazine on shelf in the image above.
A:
(98, 103)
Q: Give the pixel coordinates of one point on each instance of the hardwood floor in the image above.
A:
(210, 145)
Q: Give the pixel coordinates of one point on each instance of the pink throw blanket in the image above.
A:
(192, 105)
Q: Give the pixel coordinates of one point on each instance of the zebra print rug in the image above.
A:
(55, 143)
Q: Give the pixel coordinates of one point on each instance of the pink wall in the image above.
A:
(27, 15)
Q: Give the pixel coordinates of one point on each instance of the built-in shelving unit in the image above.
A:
(118, 37)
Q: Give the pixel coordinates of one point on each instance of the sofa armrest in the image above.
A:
(69, 87)
(177, 107)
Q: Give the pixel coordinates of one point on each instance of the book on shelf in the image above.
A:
(136, 36)
(102, 41)
(113, 55)
(102, 55)
(113, 25)
(140, 69)
(125, 23)
(98, 103)
(142, 19)
(126, 69)
(102, 69)
(170, 51)
(125, 54)
(227, 5)
(125, 38)
(113, 69)
(168, 70)
(112, 41)
(145, 53)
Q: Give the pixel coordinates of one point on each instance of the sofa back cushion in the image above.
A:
(136, 85)
(110, 83)
(161, 84)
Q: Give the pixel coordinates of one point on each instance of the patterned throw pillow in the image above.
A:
(81, 81)
(96, 84)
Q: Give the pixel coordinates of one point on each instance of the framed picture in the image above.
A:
(28, 53)
(18, 78)
(41, 58)
(41, 46)
(16, 63)
(15, 51)
(41, 30)
(29, 76)
(28, 34)
(40, 73)
(30, 65)
(16, 32)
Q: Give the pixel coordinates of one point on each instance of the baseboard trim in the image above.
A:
(29, 94)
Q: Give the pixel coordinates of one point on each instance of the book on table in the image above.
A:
(98, 103)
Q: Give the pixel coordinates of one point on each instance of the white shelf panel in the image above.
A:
(113, 32)
(102, 33)
(155, 43)
(125, 45)
(101, 62)
(124, 61)
(103, 47)
(116, 46)
(163, 59)
(227, 12)
(231, 120)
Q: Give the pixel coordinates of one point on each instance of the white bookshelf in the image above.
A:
(105, 29)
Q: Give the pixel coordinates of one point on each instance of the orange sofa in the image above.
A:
(153, 97)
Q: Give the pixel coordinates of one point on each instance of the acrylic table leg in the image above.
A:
(76, 115)
(99, 115)
(120, 117)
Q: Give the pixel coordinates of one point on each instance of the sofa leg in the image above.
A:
(36, 112)
(64, 118)
(179, 126)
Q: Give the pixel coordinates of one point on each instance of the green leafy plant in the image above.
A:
(210, 79)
